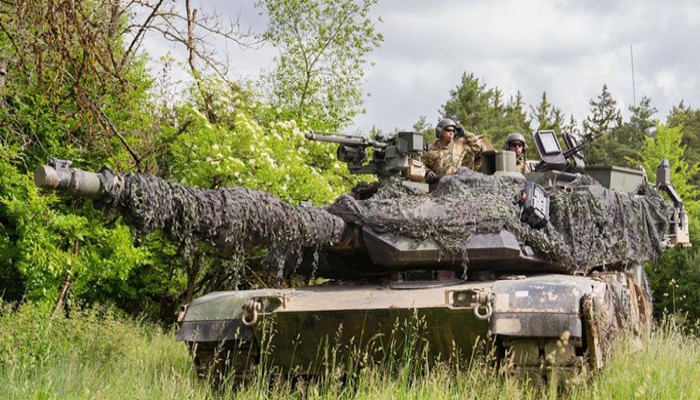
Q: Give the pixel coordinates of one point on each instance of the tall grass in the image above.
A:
(96, 354)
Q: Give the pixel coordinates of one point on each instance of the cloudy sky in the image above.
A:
(566, 48)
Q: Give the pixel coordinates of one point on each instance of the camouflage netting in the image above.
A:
(589, 225)
(232, 220)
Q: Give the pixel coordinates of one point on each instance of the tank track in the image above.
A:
(541, 360)
(216, 360)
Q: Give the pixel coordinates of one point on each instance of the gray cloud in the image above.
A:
(567, 48)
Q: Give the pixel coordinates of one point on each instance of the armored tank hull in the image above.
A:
(537, 322)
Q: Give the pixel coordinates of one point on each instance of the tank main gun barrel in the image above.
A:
(104, 186)
(58, 175)
(232, 220)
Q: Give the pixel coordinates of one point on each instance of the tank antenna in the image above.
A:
(634, 92)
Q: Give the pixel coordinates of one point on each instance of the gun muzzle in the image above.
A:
(58, 175)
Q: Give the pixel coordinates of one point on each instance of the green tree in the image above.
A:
(626, 139)
(604, 115)
(546, 115)
(66, 86)
(484, 111)
(516, 117)
(323, 47)
(424, 127)
(506, 118)
(688, 120)
(571, 128)
(603, 120)
(641, 120)
(666, 143)
(675, 279)
(469, 104)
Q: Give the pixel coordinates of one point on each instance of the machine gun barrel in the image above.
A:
(346, 140)
(589, 139)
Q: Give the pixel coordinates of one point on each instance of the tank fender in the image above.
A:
(218, 316)
(544, 306)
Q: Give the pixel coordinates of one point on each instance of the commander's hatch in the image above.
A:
(550, 151)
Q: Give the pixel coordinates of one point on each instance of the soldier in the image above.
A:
(448, 153)
(516, 143)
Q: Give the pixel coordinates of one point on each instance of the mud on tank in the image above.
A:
(546, 266)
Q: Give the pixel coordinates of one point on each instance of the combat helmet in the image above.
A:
(444, 123)
(515, 136)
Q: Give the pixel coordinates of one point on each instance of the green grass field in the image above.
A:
(96, 355)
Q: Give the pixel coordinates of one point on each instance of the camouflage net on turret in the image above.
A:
(589, 225)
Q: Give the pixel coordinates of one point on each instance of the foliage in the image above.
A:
(546, 116)
(603, 120)
(274, 157)
(621, 146)
(45, 244)
(323, 47)
(675, 279)
(77, 357)
(484, 112)
(688, 120)
(99, 108)
(666, 144)
(239, 150)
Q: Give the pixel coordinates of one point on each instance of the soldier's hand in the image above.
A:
(431, 177)
(459, 131)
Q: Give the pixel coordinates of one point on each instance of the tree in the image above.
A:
(604, 115)
(546, 116)
(604, 119)
(676, 278)
(506, 118)
(97, 108)
(66, 84)
(641, 120)
(571, 128)
(469, 104)
(688, 120)
(483, 111)
(424, 127)
(323, 47)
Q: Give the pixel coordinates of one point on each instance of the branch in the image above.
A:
(141, 32)
(136, 158)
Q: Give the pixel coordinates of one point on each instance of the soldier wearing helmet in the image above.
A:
(453, 148)
(516, 143)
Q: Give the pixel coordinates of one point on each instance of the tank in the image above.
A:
(544, 267)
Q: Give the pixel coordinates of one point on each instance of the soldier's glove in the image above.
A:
(459, 131)
(432, 178)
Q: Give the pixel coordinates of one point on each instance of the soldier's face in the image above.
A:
(448, 134)
(517, 147)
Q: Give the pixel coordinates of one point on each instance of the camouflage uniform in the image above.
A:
(521, 165)
(460, 152)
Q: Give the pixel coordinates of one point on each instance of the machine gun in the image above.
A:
(554, 158)
(392, 155)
